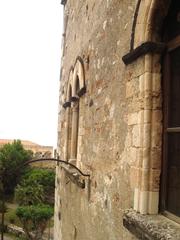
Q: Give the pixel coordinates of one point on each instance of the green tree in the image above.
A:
(29, 194)
(37, 186)
(34, 219)
(32, 193)
(12, 159)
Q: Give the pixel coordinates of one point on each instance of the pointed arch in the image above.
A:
(78, 79)
(151, 14)
(146, 29)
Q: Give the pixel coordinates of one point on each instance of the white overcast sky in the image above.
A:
(30, 50)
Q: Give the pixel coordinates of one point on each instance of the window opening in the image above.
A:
(170, 196)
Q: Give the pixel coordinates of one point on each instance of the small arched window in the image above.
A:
(75, 90)
(75, 122)
(68, 120)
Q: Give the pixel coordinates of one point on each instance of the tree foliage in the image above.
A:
(32, 193)
(29, 194)
(34, 219)
(37, 186)
(12, 159)
(44, 177)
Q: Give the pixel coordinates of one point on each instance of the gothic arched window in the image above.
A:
(75, 89)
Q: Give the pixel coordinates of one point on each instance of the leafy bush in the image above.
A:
(35, 213)
(11, 217)
(44, 177)
(37, 186)
(29, 194)
(32, 194)
(34, 219)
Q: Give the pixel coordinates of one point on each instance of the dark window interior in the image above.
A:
(172, 21)
(170, 198)
(174, 89)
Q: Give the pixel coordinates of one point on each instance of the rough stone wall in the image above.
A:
(108, 140)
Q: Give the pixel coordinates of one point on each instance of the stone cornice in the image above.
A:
(144, 48)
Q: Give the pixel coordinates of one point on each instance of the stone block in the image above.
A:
(134, 177)
(154, 180)
(156, 84)
(136, 136)
(144, 179)
(129, 89)
(133, 119)
(156, 156)
(147, 135)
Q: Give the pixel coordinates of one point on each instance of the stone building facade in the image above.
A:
(111, 120)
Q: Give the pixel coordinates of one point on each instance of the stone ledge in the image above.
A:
(151, 227)
(144, 48)
(75, 177)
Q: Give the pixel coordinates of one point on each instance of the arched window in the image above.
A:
(68, 125)
(170, 197)
(156, 170)
(75, 89)
(147, 48)
(75, 121)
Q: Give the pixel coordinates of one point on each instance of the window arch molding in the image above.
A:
(148, 23)
(78, 75)
(68, 91)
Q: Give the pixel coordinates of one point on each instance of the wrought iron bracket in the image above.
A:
(73, 172)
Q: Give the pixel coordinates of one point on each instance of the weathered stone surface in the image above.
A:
(151, 227)
(120, 120)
